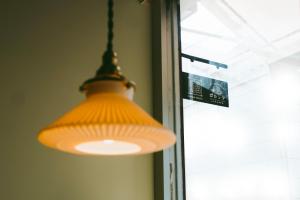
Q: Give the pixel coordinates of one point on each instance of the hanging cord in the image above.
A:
(110, 62)
(110, 26)
(109, 69)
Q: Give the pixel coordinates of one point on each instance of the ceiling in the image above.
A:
(241, 33)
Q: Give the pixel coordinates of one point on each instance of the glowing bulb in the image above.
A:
(108, 141)
(108, 147)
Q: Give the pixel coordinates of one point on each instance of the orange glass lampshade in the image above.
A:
(108, 122)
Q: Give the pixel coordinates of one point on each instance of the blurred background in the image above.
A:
(250, 150)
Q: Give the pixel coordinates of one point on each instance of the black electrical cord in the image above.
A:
(110, 62)
(109, 69)
(110, 26)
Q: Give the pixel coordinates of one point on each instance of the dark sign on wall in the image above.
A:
(203, 89)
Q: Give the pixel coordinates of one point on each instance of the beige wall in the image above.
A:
(48, 48)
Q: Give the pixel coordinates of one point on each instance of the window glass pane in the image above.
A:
(251, 149)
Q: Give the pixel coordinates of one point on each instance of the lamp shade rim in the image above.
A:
(67, 137)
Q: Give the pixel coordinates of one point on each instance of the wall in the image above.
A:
(48, 48)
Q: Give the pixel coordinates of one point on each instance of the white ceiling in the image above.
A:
(235, 32)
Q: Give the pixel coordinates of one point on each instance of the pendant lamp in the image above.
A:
(108, 122)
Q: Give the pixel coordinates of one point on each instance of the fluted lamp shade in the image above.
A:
(108, 122)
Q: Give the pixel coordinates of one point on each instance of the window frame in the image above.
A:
(169, 182)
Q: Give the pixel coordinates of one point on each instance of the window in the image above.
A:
(251, 149)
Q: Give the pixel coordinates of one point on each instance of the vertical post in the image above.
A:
(157, 8)
(166, 93)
